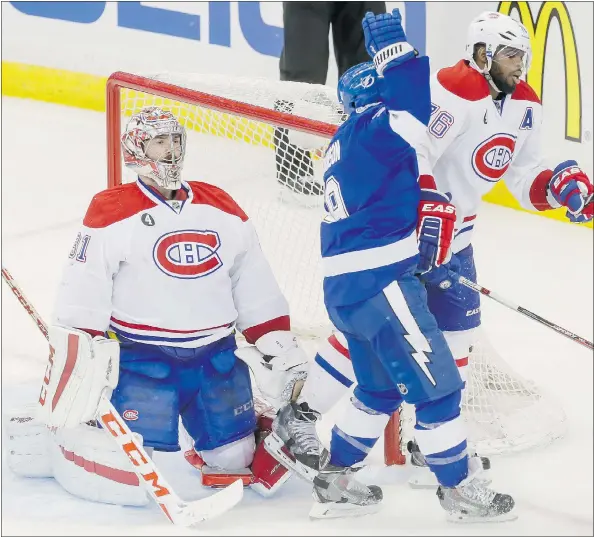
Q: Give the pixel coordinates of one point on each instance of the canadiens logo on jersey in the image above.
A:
(188, 253)
(493, 156)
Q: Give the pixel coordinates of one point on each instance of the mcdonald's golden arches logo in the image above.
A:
(538, 30)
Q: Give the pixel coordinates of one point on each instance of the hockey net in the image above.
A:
(263, 141)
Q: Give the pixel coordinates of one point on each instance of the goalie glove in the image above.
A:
(80, 369)
(435, 229)
(279, 366)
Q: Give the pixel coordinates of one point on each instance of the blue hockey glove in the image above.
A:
(385, 40)
(442, 276)
(571, 188)
(435, 229)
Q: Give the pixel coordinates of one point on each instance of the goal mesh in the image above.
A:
(504, 411)
(262, 142)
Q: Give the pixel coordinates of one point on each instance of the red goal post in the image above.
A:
(120, 79)
(504, 411)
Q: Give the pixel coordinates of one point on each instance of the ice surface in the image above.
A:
(53, 161)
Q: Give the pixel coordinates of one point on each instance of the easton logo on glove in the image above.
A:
(438, 208)
(571, 188)
(435, 227)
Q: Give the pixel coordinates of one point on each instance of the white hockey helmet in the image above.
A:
(143, 127)
(501, 35)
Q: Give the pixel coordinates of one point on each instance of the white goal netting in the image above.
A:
(275, 174)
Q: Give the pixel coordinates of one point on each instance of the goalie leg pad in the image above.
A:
(26, 440)
(232, 456)
(269, 475)
(80, 369)
(83, 460)
(87, 464)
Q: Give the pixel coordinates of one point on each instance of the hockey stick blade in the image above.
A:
(192, 513)
(507, 303)
(176, 510)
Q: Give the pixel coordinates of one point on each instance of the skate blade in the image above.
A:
(459, 518)
(423, 478)
(321, 511)
(274, 445)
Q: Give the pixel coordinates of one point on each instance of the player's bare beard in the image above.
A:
(500, 80)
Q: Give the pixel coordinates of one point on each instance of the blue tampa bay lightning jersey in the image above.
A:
(371, 193)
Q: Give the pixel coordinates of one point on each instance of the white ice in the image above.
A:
(53, 161)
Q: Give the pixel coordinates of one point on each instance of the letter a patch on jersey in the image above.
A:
(528, 119)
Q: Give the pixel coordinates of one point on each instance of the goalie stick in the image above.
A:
(150, 477)
(484, 291)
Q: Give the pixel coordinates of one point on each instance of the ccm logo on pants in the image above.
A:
(243, 408)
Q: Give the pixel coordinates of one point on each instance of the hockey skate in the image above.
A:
(337, 493)
(472, 501)
(294, 441)
(423, 478)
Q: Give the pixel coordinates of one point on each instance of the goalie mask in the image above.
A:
(154, 145)
(503, 38)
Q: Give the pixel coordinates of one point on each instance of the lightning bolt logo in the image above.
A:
(422, 360)
(414, 336)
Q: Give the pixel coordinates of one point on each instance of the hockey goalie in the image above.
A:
(162, 276)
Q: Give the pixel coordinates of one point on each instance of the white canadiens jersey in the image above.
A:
(182, 273)
(474, 141)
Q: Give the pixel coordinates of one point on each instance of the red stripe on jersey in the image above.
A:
(538, 190)
(462, 362)
(207, 194)
(116, 204)
(469, 218)
(254, 333)
(91, 332)
(464, 81)
(71, 355)
(524, 92)
(155, 329)
(113, 474)
(337, 345)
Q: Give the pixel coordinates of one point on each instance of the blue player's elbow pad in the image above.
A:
(407, 88)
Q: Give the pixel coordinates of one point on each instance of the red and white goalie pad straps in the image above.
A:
(79, 369)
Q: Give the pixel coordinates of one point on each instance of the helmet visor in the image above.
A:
(507, 54)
